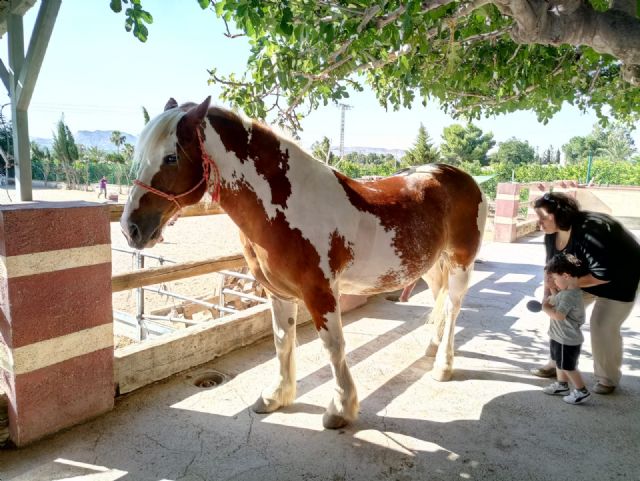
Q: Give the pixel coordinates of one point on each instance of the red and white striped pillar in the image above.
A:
(506, 217)
(56, 328)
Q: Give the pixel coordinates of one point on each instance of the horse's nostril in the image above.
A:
(134, 232)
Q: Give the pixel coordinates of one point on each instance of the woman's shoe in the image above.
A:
(544, 371)
(603, 389)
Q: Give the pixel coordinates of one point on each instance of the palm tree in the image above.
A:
(118, 139)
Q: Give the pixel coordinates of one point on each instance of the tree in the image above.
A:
(477, 57)
(65, 151)
(618, 144)
(322, 151)
(41, 156)
(613, 142)
(423, 151)
(117, 139)
(578, 148)
(6, 144)
(465, 144)
(514, 152)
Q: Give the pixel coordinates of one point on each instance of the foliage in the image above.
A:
(474, 58)
(322, 151)
(465, 144)
(65, 152)
(514, 151)
(6, 145)
(613, 143)
(135, 18)
(423, 151)
(603, 172)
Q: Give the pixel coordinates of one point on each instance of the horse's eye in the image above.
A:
(170, 159)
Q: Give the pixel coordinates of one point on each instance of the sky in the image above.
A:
(100, 76)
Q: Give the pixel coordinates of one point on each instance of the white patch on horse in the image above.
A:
(320, 207)
(235, 172)
(483, 208)
(147, 160)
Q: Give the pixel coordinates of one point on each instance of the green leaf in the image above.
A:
(116, 6)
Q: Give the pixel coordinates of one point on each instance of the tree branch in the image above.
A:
(560, 22)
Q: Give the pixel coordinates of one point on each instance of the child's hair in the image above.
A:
(564, 264)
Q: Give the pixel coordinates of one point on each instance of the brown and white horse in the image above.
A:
(311, 233)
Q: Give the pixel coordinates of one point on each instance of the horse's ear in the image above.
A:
(198, 113)
(171, 104)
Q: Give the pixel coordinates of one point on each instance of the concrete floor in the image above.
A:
(491, 422)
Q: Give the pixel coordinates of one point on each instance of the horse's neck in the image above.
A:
(254, 187)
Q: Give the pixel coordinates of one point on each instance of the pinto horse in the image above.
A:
(310, 233)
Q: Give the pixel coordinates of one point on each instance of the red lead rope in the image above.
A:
(208, 165)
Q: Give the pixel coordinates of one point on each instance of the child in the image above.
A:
(566, 310)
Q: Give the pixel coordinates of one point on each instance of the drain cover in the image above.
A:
(209, 379)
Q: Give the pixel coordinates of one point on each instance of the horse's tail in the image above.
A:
(437, 312)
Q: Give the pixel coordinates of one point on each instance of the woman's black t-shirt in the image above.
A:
(607, 251)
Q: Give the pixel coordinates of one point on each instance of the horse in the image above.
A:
(310, 233)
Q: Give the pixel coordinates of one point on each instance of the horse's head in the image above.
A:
(170, 174)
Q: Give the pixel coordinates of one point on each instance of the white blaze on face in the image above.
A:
(317, 206)
(157, 140)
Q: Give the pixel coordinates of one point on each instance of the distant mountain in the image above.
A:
(397, 153)
(90, 138)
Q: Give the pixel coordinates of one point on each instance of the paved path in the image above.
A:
(491, 422)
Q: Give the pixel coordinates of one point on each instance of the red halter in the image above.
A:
(208, 166)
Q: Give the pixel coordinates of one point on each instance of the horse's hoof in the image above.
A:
(264, 406)
(441, 375)
(432, 350)
(333, 421)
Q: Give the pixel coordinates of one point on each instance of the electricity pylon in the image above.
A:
(343, 109)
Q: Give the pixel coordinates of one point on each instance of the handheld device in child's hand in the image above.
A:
(534, 306)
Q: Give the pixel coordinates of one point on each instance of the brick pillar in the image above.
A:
(507, 203)
(56, 328)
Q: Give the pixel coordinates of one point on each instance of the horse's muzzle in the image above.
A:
(142, 233)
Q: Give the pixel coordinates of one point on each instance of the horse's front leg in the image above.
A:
(458, 283)
(343, 407)
(283, 391)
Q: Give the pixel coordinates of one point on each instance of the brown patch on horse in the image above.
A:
(261, 147)
(340, 253)
(285, 262)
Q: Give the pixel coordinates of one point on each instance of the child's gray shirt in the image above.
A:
(570, 303)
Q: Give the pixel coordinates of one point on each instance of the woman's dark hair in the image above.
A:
(564, 264)
(565, 209)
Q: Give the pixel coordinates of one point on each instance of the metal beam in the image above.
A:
(20, 120)
(37, 48)
(4, 74)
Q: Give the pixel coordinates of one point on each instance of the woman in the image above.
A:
(610, 259)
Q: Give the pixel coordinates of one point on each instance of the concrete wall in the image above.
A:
(619, 201)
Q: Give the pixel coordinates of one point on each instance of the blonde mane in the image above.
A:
(159, 127)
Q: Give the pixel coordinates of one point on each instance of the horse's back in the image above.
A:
(429, 210)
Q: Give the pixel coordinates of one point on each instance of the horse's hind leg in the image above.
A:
(436, 280)
(458, 282)
(343, 407)
(283, 391)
